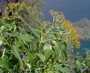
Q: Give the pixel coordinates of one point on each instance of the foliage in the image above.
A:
(70, 33)
(81, 63)
(12, 10)
(42, 50)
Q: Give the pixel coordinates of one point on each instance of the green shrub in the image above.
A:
(42, 50)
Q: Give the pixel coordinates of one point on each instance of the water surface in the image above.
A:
(74, 10)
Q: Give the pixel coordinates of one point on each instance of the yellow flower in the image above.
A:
(12, 9)
(70, 34)
(33, 10)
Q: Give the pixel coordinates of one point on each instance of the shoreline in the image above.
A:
(84, 39)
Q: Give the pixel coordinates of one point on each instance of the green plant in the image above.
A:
(82, 63)
(42, 50)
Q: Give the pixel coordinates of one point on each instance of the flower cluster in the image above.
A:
(72, 37)
(69, 33)
(57, 17)
(12, 9)
(33, 10)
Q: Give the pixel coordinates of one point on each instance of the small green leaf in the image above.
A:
(41, 56)
(25, 37)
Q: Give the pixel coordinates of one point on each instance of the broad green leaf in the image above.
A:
(78, 63)
(29, 65)
(56, 72)
(35, 20)
(30, 55)
(41, 56)
(25, 37)
(6, 33)
(47, 46)
(2, 19)
(51, 35)
(62, 69)
(57, 51)
(47, 51)
(34, 31)
(65, 54)
(22, 45)
(56, 44)
(5, 64)
(15, 50)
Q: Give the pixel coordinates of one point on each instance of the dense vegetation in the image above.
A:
(42, 50)
(35, 10)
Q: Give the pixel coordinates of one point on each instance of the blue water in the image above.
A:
(74, 10)
(84, 46)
